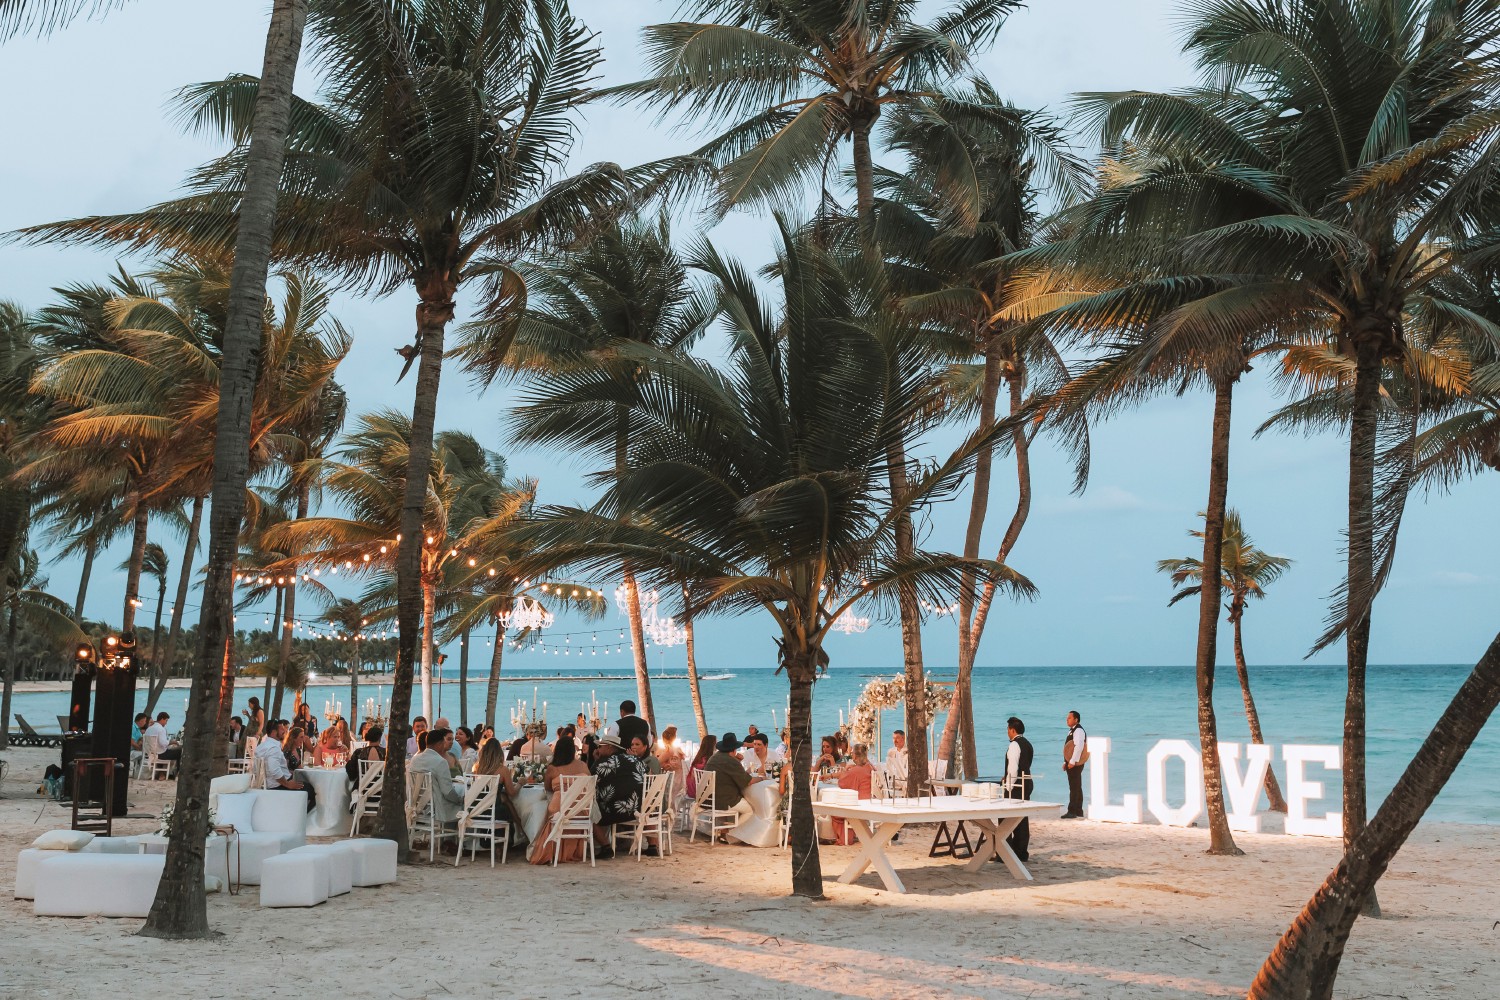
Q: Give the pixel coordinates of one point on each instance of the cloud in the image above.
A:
(1099, 500)
(1457, 578)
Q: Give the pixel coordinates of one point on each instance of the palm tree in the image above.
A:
(1330, 201)
(1246, 572)
(764, 483)
(944, 240)
(796, 80)
(431, 160)
(27, 603)
(348, 617)
(626, 285)
(155, 564)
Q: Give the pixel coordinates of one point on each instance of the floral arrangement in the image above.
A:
(881, 694)
(164, 825)
(530, 770)
(773, 770)
(536, 730)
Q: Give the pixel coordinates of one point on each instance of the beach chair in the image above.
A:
(719, 820)
(31, 738)
(482, 820)
(573, 820)
(651, 819)
(63, 726)
(365, 803)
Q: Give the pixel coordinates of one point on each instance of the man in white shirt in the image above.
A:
(268, 757)
(895, 761)
(418, 725)
(756, 755)
(1018, 783)
(156, 743)
(1075, 755)
(447, 794)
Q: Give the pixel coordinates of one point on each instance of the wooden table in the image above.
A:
(876, 821)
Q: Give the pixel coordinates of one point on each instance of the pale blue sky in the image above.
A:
(86, 132)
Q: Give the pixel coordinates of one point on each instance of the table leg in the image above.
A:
(873, 843)
(998, 848)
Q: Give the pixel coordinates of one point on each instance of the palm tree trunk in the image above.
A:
(1221, 840)
(279, 672)
(160, 668)
(492, 694)
(89, 551)
(632, 592)
(433, 315)
(1360, 584)
(184, 582)
(133, 572)
(1273, 790)
(180, 908)
(463, 679)
(288, 617)
(1305, 961)
(807, 868)
(429, 609)
(7, 687)
(354, 685)
(692, 672)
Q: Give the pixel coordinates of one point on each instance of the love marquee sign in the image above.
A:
(1242, 784)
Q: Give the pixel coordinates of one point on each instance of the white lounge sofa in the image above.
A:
(79, 884)
(269, 823)
(30, 858)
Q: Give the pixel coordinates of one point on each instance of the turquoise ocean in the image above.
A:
(1134, 706)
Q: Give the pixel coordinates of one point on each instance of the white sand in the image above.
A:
(1115, 912)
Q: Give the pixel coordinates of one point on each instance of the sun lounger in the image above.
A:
(31, 738)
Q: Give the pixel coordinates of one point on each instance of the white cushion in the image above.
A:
(340, 865)
(280, 812)
(63, 840)
(374, 861)
(112, 845)
(226, 784)
(296, 879)
(103, 885)
(236, 810)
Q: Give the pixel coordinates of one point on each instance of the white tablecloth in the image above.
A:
(331, 816)
(763, 828)
(531, 807)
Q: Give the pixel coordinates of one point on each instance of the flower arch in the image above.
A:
(883, 693)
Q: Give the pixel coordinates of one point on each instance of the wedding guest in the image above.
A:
(895, 761)
(491, 760)
(629, 724)
(751, 731)
(586, 754)
(1075, 754)
(370, 751)
(340, 726)
(447, 794)
(270, 755)
(328, 752)
(580, 724)
(827, 762)
(464, 749)
(620, 777)
(364, 730)
(536, 741)
(138, 737)
(858, 775)
(295, 746)
(700, 760)
(784, 748)
(1018, 783)
(671, 754)
(303, 719)
(565, 761)
(236, 736)
(640, 749)
(418, 726)
(255, 718)
(756, 755)
(514, 750)
(731, 780)
(156, 742)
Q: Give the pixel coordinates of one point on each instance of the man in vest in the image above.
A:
(1075, 755)
(1018, 783)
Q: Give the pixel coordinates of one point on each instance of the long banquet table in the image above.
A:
(876, 821)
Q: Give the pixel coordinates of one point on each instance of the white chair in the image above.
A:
(153, 765)
(242, 765)
(423, 813)
(651, 819)
(257, 773)
(268, 824)
(365, 803)
(786, 812)
(482, 819)
(573, 820)
(936, 771)
(704, 807)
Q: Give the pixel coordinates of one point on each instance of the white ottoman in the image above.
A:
(340, 865)
(294, 880)
(103, 885)
(374, 861)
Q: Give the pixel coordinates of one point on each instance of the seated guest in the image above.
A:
(137, 737)
(784, 748)
(618, 793)
(580, 724)
(515, 748)
(565, 761)
(629, 724)
(731, 780)
(328, 752)
(756, 755)
(491, 760)
(536, 742)
(341, 729)
(155, 741)
(700, 761)
(895, 761)
(858, 775)
(271, 758)
(364, 731)
(303, 719)
(640, 749)
(586, 752)
(827, 761)
(370, 751)
(418, 726)
(447, 794)
(670, 755)
(464, 750)
(236, 736)
(296, 746)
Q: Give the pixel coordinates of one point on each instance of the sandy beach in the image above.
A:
(1115, 911)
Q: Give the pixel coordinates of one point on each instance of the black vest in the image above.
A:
(1023, 766)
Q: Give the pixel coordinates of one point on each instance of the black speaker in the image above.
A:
(83, 685)
(114, 709)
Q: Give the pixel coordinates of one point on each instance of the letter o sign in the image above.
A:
(1156, 783)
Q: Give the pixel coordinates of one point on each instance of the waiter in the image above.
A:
(1018, 783)
(1075, 755)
